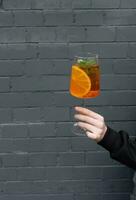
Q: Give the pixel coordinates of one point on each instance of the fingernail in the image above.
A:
(75, 124)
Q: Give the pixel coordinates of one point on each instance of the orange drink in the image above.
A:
(85, 77)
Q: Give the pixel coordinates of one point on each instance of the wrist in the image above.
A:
(102, 135)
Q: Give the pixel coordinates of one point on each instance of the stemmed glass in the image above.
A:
(84, 81)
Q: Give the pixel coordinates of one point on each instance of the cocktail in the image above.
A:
(85, 80)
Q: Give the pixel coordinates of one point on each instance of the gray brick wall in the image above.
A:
(40, 158)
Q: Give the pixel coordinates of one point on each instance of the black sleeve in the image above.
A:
(120, 146)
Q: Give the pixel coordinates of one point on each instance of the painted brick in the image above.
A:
(28, 18)
(12, 35)
(128, 4)
(105, 4)
(40, 156)
(6, 19)
(17, 4)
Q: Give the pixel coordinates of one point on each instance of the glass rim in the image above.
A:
(88, 55)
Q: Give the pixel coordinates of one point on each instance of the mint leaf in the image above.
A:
(82, 62)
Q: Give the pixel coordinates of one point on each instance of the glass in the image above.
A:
(85, 80)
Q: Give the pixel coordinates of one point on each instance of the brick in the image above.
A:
(17, 51)
(105, 50)
(41, 34)
(36, 145)
(58, 18)
(128, 4)
(41, 130)
(127, 126)
(6, 146)
(95, 17)
(49, 145)
(76, 173)
(72, 34)
(99, 159)
(106, 66)
(65, 4)
(12, 35)
(64, 129)
(105, 4)
(81, 34)
(42, 159)
(16, 100)
(48, 83)
(86, 173)
(11, 68)
(17, 4)
(15, 160)
(120, 82)
(61, 66)
(81, 4)
(21, 187)
(79, 186)
(28, 18)
(100, 34)
(13, 131)
(56, 145)
(59, 173)
(4, 84)
(126, 34)
(82, 144)
(38, 99)
(37, 196)
(2, 187)
(110, 98)
(125, 66)
(44, 67)
(115, 196)
(0, 161)
(55, 114)
(131, 50)
(8, 174)
(87, 196)
(117, 186)
(46, 4)
(75, 50)
(27, 114)
(116, 173)
(12, 100)
(118, 113)
(20, 147)
(71, 159)
(5, 115)
(50, 51)
(29, 174)
(65, 99)
(6, 19)
(119, 17)
(52, 187)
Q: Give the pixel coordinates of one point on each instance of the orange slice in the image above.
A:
(80, 82)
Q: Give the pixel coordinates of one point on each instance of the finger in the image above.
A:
(89, 120)
(91, 135)
(88, 112)
(87, 127)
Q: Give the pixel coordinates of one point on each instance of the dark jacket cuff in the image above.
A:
(111, 140)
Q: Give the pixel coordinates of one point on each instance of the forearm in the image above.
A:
(120, 146)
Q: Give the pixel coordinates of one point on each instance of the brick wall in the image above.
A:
(40, 158)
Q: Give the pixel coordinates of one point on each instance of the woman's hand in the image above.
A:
(91, 122)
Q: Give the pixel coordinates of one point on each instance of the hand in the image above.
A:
(91, 122)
